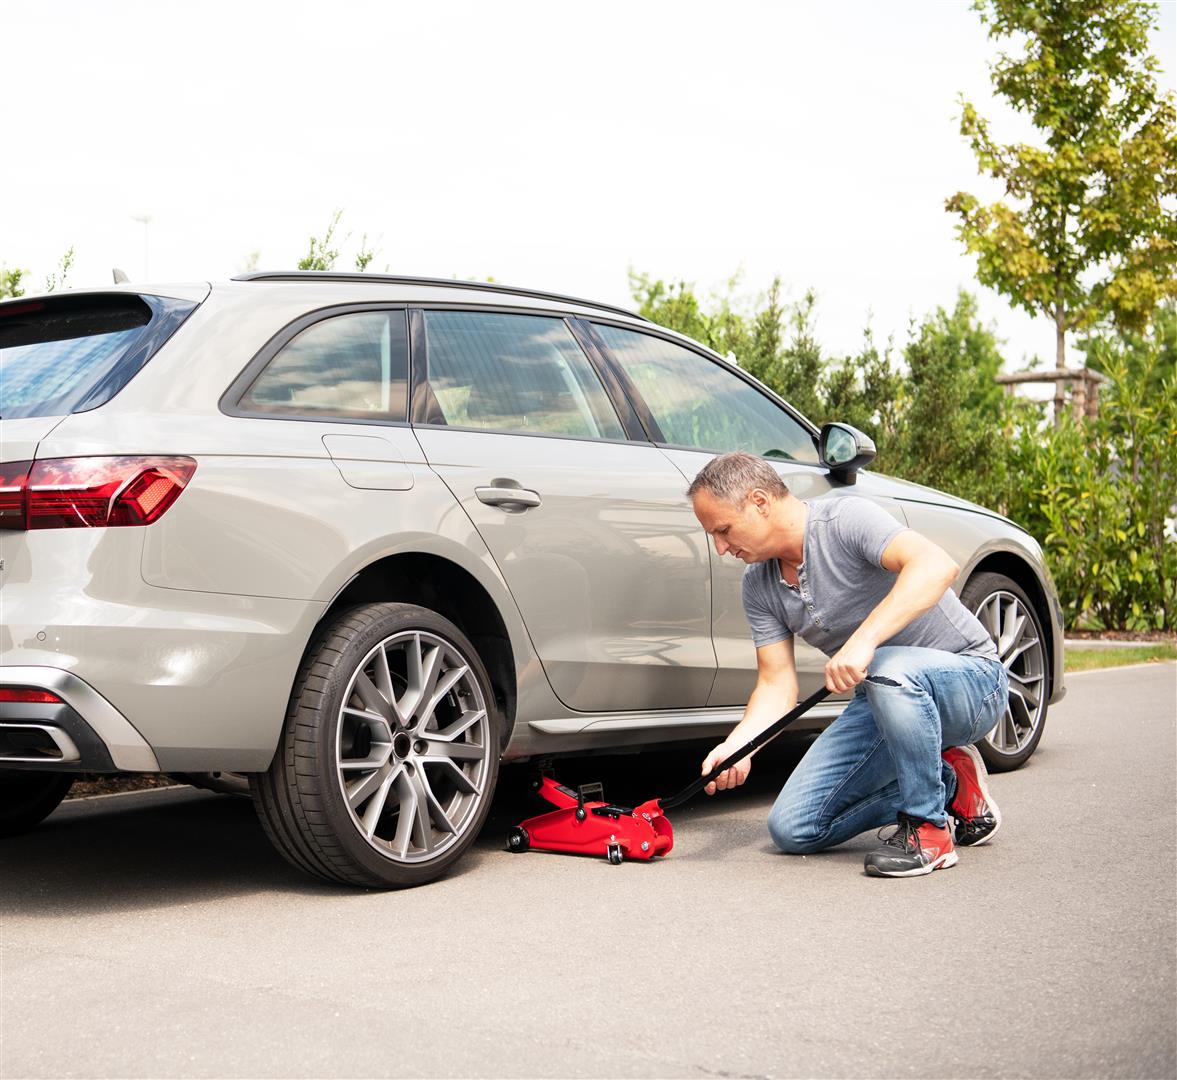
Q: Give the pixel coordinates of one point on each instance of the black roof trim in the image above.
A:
(452, 283)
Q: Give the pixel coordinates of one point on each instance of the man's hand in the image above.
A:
(847, 667)
(729, 778)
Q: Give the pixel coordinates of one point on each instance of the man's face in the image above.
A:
(744, 531)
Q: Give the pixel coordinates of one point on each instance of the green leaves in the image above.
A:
(1100, 493)
(1087, 229)
(322, 252)
(10, 281)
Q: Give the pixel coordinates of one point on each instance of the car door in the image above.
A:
(588, 526)
(696, 407)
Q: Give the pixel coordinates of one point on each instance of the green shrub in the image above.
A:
(1101, 496)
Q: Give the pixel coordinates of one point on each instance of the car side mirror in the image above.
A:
(844, 450)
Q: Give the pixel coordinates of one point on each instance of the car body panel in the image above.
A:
(74, 600)
(19, 438)
(610, 571)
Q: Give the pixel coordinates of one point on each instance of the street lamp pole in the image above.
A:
(146, 220)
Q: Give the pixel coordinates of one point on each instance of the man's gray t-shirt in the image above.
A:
(841, 581)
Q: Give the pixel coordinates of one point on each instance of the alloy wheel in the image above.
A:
(413, 746)
(1021, 650)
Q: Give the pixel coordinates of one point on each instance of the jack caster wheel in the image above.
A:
(518, 839)
(613, 854)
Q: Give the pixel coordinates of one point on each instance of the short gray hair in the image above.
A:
(733, 477)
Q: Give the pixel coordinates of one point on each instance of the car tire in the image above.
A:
(390, 751)
(1008, 615)
(27, 798)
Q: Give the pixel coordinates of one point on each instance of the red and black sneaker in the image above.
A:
(977, 816)
(914, 848)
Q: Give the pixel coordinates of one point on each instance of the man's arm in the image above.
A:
(925, 571)
(775, 694)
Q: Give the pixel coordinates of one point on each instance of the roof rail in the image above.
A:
(452, 283)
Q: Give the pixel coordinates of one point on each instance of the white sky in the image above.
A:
(548, 144)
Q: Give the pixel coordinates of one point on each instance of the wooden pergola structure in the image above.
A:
(1083, 381)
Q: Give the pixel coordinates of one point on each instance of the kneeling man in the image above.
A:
(875, 597)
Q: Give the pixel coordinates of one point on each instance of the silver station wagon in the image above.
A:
(355, 539)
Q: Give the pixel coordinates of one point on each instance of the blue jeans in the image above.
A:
(882, 755)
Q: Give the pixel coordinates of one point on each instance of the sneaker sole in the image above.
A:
(949, 858)
(983, 783)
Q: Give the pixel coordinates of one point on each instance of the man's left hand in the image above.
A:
(847, 667)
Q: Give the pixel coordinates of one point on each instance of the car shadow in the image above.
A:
(630, 779)
(141, 850)
(169, 846)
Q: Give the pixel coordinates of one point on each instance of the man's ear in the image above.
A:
(760, 499)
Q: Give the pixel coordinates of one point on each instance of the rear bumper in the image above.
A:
(168, 680)
(84, 733)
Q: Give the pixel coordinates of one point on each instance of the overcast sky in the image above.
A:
(550, 144)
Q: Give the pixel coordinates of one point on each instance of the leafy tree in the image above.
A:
(1101, 496)
(868, 391)
(1151, 357)
(1088, 231)
(365, 255)
(57, 278)
(10, 281)
(674, 306)
(322, 255)
(797, 375)
(954, 437)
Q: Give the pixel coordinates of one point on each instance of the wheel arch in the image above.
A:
(439, 584)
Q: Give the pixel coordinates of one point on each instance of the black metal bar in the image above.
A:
(447, 283)
(767, 735)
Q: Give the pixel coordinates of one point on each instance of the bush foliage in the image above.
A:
(1101, 495)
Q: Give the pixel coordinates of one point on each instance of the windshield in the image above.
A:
(72, 353)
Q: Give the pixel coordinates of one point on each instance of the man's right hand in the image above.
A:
(729, 778)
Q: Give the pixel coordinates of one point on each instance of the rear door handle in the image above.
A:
(510, 498)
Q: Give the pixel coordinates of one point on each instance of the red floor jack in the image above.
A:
(583, 825)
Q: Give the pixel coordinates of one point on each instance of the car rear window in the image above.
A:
(68, 354)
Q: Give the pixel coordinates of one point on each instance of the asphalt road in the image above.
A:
(156, 934)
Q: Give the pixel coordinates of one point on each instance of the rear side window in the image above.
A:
(353, 366)
(518, 373)
(69, 354)
(701, 405)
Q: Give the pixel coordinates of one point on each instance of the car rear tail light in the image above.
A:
(13, 475)
(90, 492)
(23, 696)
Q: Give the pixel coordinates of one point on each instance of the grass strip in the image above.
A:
(1087, 659)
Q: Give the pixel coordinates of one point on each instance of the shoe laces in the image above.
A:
(905, 835)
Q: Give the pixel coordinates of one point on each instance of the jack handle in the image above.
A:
(755, 743)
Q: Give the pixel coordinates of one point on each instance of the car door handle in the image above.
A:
(508, 497)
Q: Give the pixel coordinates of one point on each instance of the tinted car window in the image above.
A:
(702, 405)
(521, 373)
(353, 365)
(67, 354)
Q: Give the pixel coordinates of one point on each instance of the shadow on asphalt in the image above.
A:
(162, 848)
(630, 779)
